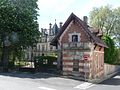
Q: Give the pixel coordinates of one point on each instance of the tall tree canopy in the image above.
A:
(107, 19)
(18, 17)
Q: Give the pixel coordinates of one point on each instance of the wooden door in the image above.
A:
(75, 65)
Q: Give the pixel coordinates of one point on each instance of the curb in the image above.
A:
(73, 77)
(97, 81)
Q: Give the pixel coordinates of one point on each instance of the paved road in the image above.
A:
(110, 84)
(13, 81)
(35, 82)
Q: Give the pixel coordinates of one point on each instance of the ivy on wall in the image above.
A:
(110, 53)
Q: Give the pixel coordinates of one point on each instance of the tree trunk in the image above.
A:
(5, 53)
(14, 56)
(5, 59)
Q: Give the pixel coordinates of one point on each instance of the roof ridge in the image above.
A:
(88, 31)
(96, 39)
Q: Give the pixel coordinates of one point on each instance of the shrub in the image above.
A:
(111, 53)
(44, 61)
(11, 65)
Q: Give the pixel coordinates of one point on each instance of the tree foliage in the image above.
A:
(110, 52)
(19, 17)
(107, 19)
(43, 61)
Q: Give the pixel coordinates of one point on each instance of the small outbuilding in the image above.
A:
(80, 49)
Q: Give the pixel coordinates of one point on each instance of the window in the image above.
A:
(75, 65)
(39, 47)
(43, 48)
(27, 55)
(75, 69)
(51, 47)
(74, 38)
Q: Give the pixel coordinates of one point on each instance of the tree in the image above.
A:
(116, 32)
(110, 54)
(18, 17)
(107, 19)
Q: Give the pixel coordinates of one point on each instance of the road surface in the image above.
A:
(43, 81)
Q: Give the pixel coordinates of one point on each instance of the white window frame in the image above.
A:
(74, 33)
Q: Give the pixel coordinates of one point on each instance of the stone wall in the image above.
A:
(109, 69)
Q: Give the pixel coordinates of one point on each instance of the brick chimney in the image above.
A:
(61, 24)
(85, 19)
(50, 29)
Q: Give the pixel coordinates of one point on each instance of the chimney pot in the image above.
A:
(61, 24)
(85, 19)
(50, 27)
(50, 24)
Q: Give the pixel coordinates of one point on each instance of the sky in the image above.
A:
(61, 9)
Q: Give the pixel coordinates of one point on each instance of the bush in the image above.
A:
(11, 65)
(111, 53)
(44, 61)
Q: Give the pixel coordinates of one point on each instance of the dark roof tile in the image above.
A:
(96, 39)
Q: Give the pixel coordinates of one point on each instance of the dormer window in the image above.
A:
(74, 38)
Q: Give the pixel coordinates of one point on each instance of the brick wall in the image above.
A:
(74, 27)
(70, 54)
(94, 66)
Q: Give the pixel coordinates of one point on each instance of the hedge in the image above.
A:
(39, 61)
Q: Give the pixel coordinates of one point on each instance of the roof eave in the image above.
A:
(102, 45)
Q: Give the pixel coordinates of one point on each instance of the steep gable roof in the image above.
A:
(95, 39)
